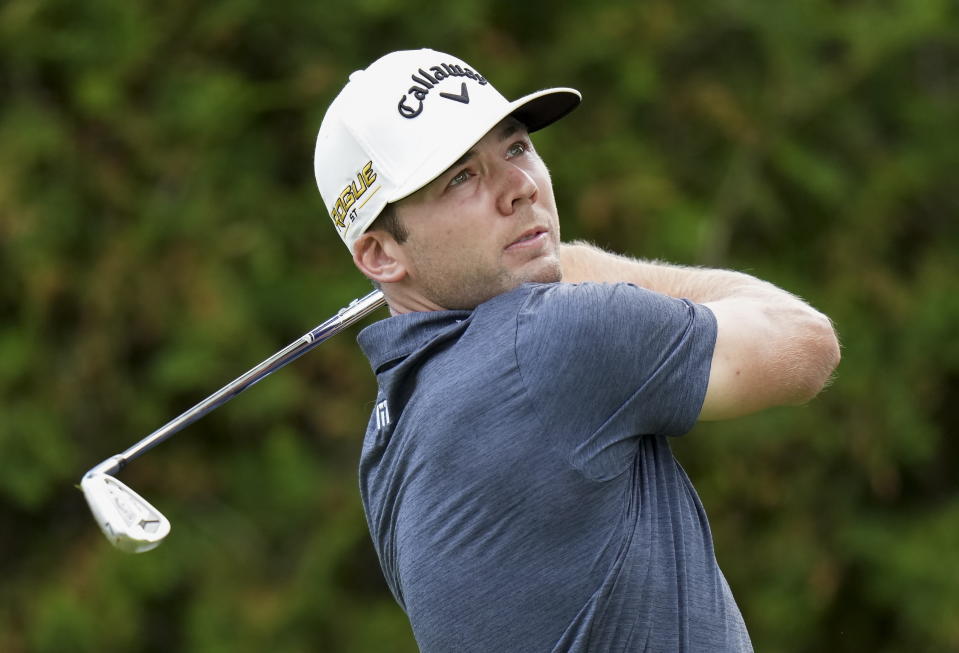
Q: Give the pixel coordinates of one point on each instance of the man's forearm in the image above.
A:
(771, 347)
(584, 262)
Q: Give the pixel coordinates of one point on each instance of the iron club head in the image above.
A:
(127, 519)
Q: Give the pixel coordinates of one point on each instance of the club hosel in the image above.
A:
(110, 466)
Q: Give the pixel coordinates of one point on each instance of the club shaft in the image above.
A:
(357, 310)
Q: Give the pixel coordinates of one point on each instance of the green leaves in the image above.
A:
(160, 232)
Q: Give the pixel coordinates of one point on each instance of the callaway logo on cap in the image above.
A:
(402, 121)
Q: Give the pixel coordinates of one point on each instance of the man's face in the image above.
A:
(485, 226)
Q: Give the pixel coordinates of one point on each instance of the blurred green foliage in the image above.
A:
(160, 232)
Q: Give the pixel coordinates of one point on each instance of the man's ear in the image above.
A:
(379, 257)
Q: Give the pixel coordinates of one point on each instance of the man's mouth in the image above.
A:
(527, 238)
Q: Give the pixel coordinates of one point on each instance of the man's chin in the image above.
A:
(543, 270)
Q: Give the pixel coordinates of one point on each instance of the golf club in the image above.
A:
(127, 519)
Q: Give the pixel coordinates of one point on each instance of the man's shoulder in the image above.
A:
(571, 312)
(544, 296)
(565, 302)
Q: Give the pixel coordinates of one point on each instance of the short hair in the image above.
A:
(389, 222)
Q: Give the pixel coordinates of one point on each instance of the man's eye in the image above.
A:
(518, 148)
(459, 178)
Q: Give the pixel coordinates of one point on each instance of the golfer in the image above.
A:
(516, 471)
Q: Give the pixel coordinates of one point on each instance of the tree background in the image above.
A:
(160, 232)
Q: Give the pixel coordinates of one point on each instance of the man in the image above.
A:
(516, 473)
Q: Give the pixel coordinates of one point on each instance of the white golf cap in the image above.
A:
(402, 121)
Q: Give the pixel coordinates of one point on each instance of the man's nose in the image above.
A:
(516, 187)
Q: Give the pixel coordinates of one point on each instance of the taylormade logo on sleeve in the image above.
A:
(411, 103)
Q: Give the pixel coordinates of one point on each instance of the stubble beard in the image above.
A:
(468, 290)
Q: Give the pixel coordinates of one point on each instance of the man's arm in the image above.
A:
(772, 348)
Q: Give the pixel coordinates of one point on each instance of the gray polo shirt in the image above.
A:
(517, 477)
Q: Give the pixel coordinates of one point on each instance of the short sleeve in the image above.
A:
(606, 364)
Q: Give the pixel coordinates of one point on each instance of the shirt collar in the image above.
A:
(400, 335)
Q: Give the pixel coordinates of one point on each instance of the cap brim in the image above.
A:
(536, 110)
